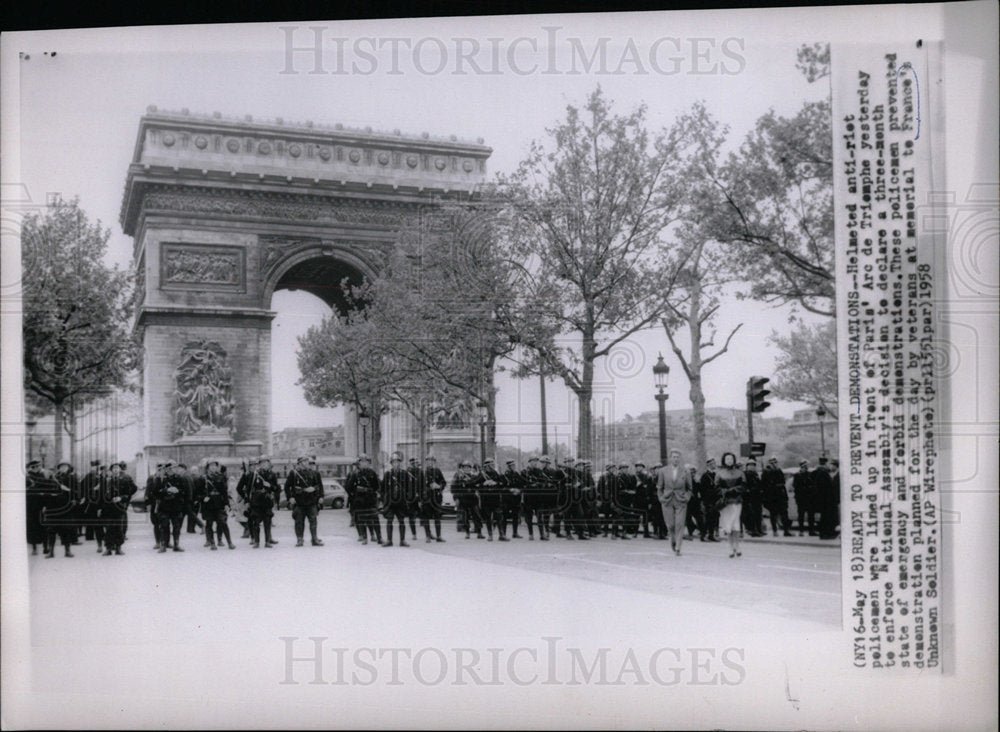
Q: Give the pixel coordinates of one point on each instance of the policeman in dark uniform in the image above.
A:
(561, 476)
(38, 490)
(805, 499)
(61, 510)
(304, 491)
(532, 504)
(149, 494)
(606, 499)
(551, 484)
(622, 498)
(753, 505)
(395, 487)
(710, 496)
(629, 498)
(464, 487)
(827, 499)
(349, 490)
(413, 491)
(775, 497)
(431, 488)
(117, 493)
(266, 470)
(259, 487)
(172, 506)
(212, 496)
(695, 520)
(573, 512)
(90, 489)
(645, 497)
(366, 496)
(513, 495)
(491, 500)
(588, 504)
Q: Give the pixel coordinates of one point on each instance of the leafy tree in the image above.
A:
(77, 311)
(773, 201)
(585, 219)
(703, 274)
(806, 367)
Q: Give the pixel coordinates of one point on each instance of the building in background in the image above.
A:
(296, 441)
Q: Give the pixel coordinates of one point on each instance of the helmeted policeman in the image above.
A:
(172, 506)
(365, 485)
(512, 497)
(61, 510)
(304, 490)
(491, 499)
(395, 488)
(212, 497)
(431, 487)
(118, 491)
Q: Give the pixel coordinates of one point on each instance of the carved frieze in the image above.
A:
(203, 391)
(275, 248)
(202, 266)
(251, 205)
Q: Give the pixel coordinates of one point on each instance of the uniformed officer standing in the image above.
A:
(588, 488)
(533, 487)
(628, 494)
(491, 500)
(365, 485)
(551, 484)
(118, 491)
(607, 489)
(212, 495)
(266, 471)
(573, 512)
(805, 499)
(61, 510)
(395, 486)
(646, 499)
(90, 507)
(710, 500)
(695, 518)
(304, 491)
(513, 495)
(152, 490)
(431, 487)
(259, 490)
(464, 487)
(562, 477)
(753, 505)
(37, 491)
(172, 506)
(775, 497)
(827, 499)
(414, 489)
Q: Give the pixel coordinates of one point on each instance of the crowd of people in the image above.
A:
(672, 502)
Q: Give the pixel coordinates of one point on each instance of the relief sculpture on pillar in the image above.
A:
(203, 391)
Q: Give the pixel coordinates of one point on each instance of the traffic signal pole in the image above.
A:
(749, 414)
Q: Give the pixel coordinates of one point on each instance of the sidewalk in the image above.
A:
(794, 540)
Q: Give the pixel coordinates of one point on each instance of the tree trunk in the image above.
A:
(57, 448)
(376, 443)
(585, 426)
(545, 428)
(422, 432)
(696, 394)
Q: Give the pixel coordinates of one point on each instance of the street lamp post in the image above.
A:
(820, 413)
(661, 371)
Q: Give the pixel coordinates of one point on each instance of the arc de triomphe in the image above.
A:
(224, 213)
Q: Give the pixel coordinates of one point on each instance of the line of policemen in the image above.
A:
(561, 500)
(59, 506)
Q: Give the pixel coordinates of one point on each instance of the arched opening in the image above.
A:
(302, 293)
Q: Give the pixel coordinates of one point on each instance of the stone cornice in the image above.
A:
(228, 153)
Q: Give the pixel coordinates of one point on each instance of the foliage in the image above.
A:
(806, 366)
(77, 311)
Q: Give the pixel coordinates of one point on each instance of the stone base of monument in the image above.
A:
(448, 451)
(193, 450)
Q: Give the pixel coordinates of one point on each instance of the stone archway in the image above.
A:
(223, 213)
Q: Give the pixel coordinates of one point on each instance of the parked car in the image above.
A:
(334, 495)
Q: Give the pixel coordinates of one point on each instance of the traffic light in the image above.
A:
(756, 393)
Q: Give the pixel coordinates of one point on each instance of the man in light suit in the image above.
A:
(674, 489)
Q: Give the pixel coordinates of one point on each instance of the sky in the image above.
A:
(80, 111)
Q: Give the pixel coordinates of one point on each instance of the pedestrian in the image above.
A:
(512, 497)
(395, 486)
(61, 510)
(731, 483)
(431, 487)
(709, 493)
(366, 497)
(172, 506)
(304, 492)
(804, 493)
(775, 497)
(212, 496)
(673, 488)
